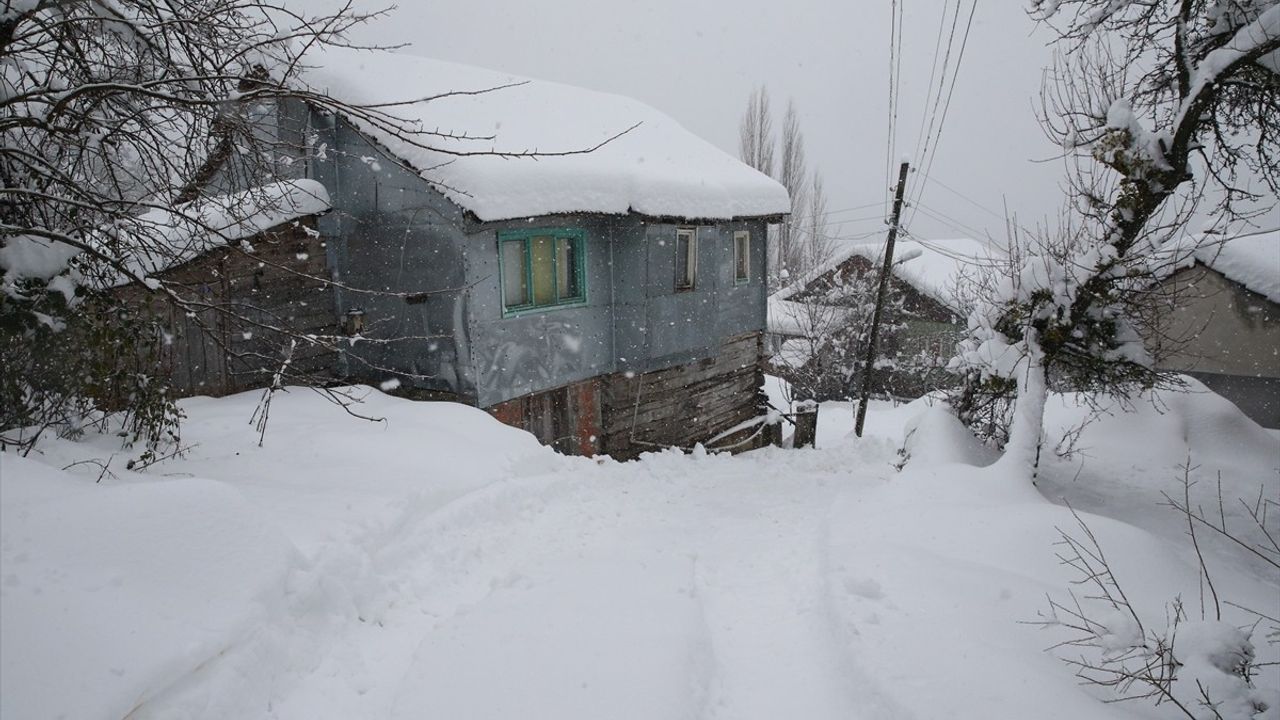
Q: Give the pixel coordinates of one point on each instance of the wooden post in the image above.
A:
(806, 424)
(880, 294)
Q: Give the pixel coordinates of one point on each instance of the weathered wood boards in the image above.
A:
(625, 414)
(253, 301)
(682, 405)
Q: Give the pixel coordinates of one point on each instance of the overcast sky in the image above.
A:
(697, 61)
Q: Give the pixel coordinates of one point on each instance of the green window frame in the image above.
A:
(541, 268)
(741, 257)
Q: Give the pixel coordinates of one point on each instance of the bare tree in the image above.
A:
(1179, 98)
(794, 175)
(755, 132)
(819, 246)
(1201, 667)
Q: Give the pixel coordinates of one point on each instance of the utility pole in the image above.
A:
(880, 293)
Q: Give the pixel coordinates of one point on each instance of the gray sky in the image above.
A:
(697, 61)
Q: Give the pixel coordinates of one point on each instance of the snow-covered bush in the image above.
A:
(1204, 668)
(1054, 314)
(70, 360)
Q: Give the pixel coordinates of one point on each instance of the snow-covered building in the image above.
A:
(924, 283)
(1216, 316)
(606, 294)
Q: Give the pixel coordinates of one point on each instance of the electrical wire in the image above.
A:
(895, 77)
(949, 221)
(933, 68)
(964, 43)
(932, 107)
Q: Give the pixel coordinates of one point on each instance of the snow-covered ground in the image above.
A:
(440, 564)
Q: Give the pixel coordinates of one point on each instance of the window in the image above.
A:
(540, 268)
(686, 258)
(741, 257)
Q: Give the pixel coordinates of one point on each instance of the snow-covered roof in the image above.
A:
(797, 319)
(656, 168)
(933, 267)
(170, 238)
(1252, 259)
(159, 239)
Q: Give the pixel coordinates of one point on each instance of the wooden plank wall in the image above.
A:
(566, 418)
(624, 415)
(281, 283)
(683, 405)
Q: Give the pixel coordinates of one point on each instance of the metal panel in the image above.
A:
(399, 254)
(539, 349)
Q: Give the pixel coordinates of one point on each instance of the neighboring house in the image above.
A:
(225, 343)
(1216, 316)
(610, 301)
(926, 314)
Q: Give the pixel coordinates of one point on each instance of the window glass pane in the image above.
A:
(741, 256)
(567, 269)
(515, 289)
(686, 258)
(542, 257)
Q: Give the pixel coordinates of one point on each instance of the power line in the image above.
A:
(964, 197)
(974, 260)
(975, 203)
(933, 67)
(947, 220)
(942, 83)
(895, 77)
(850, 209)
(964, 43)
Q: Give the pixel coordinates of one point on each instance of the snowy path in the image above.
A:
(642, 590)
(673, 587)
(441, 565)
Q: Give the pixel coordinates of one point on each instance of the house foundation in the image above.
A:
(625, 414)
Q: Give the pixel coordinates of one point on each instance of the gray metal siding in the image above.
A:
(400, 241)
(659, 326)
(634, 319)
(542, 349)
(394, 235)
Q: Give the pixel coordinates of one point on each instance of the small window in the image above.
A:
(741, 256)
(540, 268)
(686, 258)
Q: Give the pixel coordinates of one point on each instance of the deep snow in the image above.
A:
(439, 564)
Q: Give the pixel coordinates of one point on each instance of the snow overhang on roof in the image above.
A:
(656, 168)
(171, 238)
(933, 267)
(1251, 259)
(163, 238)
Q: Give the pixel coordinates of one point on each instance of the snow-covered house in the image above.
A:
(924, 281)
(610, 301)
(1216, 316)
(226, 338)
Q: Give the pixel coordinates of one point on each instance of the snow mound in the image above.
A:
(655, 167)
(1131, 462)
(936, 436)
(110, 593)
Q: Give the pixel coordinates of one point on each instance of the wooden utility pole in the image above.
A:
(881, 291)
